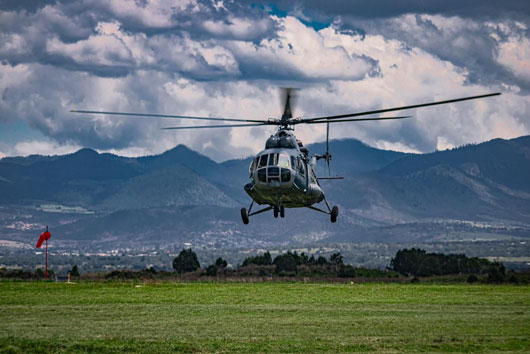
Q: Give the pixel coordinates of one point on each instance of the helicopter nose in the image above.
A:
(279, 177)
(274, 176)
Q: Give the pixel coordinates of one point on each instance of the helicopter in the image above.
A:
(283, 174)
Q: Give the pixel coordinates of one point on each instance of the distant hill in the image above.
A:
(92, 180)
(352, 156)
(182, 196)
(498, 160)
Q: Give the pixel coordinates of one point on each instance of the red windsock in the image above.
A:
(43, 237)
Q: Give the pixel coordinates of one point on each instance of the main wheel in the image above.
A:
(282, 211)
(334, 213)
(276, 212)
(244, 215)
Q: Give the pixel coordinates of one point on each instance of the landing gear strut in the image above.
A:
(245, 215)
(332, 212)
(279, 209)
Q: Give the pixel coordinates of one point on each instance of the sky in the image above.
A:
(229, 59)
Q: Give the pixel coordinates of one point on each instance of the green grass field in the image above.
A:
(263, 317)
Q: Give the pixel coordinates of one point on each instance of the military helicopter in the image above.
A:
(283, 174)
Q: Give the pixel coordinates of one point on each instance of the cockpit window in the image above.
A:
(273, 159)
(263, 160)
(284, 161)
(252, 166)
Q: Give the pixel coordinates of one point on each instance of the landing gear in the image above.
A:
(244, 216)
(277, 209)
(334, 213)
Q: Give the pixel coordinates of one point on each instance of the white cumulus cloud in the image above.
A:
(227, 59)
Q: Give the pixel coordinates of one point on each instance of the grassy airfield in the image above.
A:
(263, 317)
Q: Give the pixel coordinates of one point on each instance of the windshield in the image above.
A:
(263, 160)
(284, 161)
(275, 159)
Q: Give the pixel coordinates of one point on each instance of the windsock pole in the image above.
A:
(45, 236)
(46, 269)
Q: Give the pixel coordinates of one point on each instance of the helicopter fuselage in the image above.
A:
(282, 174)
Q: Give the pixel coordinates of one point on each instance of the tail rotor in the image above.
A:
(326, 156)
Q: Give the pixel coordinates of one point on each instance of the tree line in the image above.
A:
(286, 264)
(407, 262)
(419, 263)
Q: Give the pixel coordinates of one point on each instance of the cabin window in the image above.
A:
(313, 178)
(293, 162)
(284, 161)
(263, 160)
(301, 167)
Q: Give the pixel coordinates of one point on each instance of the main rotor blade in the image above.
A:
(354, 120)
(215, 126)
(330, 177)
(167, 116)
(399, 108)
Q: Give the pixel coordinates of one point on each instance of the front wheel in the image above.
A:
(282, 211)
(244, 216)
(334, 213)
(276, 212)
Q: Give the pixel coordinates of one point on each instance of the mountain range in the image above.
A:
(479, 191)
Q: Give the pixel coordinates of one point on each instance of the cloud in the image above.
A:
(470, 44)
(360, 9)
(300, 52)
(46, 96)
(149, 14)
(25, 148)
(228, 58)
(72, 34)
(409, 76)
(112, 51)
(200, 18)
(237, 28)
(107, 50)
(515, 55)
